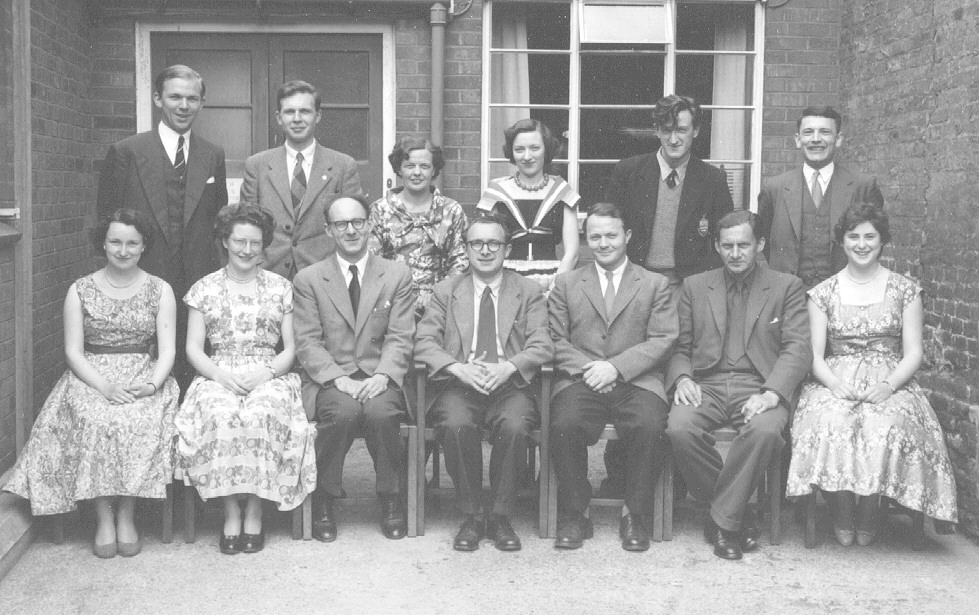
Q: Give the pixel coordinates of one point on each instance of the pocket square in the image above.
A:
(210, 180)
(774, 320)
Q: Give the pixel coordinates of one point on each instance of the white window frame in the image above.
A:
(574, 105)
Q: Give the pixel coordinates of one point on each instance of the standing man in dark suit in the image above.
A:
(177, 179)
(614, 325)
(800, 208)
(297, 182)
(354, 326)
(743, 350)
(484, 336)
(672, 201)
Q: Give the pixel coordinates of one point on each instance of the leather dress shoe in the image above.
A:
(230, 545)
(324, 526)
(749, 535)
(469, 534)
(393, 524)
(727, 544)
(571, 534)
(499, 530)
(633, 534)
(252, 543)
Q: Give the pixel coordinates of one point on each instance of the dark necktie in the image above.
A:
(179, 163)
(486, 335)
(298, 183)
(354, 289)
(672, 179)
(609, 296)
(736, 324)
(817, 190)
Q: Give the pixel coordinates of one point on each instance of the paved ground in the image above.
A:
(364, 573)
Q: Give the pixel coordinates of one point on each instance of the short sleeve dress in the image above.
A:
(83, 447)
(259, 443)
(894, 448)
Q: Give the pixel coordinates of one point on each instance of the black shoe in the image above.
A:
(749, 535)
(324, 526)
(469, 534)
(633, 534)
(571, 534)
(393, 524)
(252, 543)
(230, 545)
(727, 544)
(498, 529)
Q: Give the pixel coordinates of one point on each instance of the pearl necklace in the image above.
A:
(520, 184)
(227, 272)
(846, 271)
(105, 276)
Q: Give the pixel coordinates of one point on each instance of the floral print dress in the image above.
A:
(83, 447)
(894, 448)
(260, 443)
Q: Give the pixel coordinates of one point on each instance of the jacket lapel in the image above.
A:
(369, 291)
(197, 176)
(841, 193)
(628, 287)
(319, 178)
(506, 311)
(757, 298)
(690, 195)
(150, 165)
(462, 310)
(592, 289)
(717, 298)
(793, 202)
(337, 290)
(651, 177)
(279, 176)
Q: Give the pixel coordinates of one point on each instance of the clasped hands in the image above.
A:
(362, 390)
(482, 376)
(117, 393)
(243, 384)
(689, 393)
(874, 394)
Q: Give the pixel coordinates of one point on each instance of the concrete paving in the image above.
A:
(362, 572)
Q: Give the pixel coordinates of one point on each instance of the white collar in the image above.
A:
(169, 136)
(307, 153)
(345, 265)
(825, 173)
(494, 286)
(616, 273)
(665, 168)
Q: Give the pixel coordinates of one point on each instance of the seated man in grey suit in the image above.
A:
(484, 335)
(743, 350)
(613, 325)
(354, 327)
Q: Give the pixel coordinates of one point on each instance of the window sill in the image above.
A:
(8, 235)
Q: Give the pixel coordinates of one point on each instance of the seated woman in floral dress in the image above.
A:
(242, 428)
(106, 432)
(863, 426)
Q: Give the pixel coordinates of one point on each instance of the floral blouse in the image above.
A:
(432, 245)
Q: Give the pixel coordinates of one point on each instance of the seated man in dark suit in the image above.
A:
(484, 335)
(354, 326)
(613, 325)
(743, 350)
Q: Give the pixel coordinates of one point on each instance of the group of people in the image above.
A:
(693, 316)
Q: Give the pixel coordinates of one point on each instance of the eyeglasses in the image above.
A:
(241, 244)
(477, 245)
(341, 225)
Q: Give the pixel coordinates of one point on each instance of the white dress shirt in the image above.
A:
(665, 168)
(616, 276)
(494, 286)
(169, 137)
(825, 174)
(307, 160)
(345, 269)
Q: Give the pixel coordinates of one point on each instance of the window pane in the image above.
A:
(500, 119)
(725, 134)
(621, 79)
(613, 134)
(592, 182)
(738, 182)
(531, 25)
(521, 78)
(606, 23)
(715, 26)
(715, 80)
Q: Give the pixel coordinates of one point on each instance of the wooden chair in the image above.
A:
(770, 488)
(190, 516)
(887, 505)
(166, 520)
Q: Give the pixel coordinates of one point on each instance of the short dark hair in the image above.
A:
(857, 214)
(607, 210)
(739, 217)
(244, 213)
(177, 71)
(551, 145)
(482, 217)
(669, 107)
(406, 145)
(360, 198)
(296, 86)
(130, 217)
(820, 111)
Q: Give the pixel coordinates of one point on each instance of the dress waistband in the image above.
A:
(101, 349)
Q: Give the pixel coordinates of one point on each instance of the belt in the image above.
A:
(100, 349)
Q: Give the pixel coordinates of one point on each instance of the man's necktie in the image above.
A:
(299, 183)
(817, 189)
(486, 334)
(609, 295)
(735, 325)
(354, 289)
(179, 162)
(672, 179)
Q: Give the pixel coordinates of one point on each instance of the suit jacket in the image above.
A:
(331, 341)
(445, 334)
(780, 208)
(704, 199)
(134, 176)
(776, 335)
(299, 239)
(637, 339)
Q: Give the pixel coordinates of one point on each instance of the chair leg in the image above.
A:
(551, 499)
(308, 518)
(810, 504)
(918, 534)
(412, 486)
(58, 529)
(775, 500)
(668, 498)
(166, 523)
(543, 523)
(190, 514)
(297, 521)
(659, 504)
(436, 466)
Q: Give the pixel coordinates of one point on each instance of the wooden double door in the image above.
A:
(243, 71)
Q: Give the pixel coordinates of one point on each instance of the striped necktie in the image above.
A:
(817, 190)
(298, 183)
(179, 163)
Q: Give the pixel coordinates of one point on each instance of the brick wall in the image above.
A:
(7, 407)
(910, 75)
(63, 179)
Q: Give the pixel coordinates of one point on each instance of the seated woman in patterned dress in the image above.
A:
(105, 432)
(863, 426)
(242, 428)
(541, 210)
(415, 224)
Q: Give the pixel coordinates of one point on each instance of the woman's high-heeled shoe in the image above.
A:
(843, 522)
(130, 549)
(252, 543)
(868, 520)
(230, 545)
(844, 537)
(107, 551)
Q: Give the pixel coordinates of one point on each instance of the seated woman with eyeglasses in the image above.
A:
(242, 428)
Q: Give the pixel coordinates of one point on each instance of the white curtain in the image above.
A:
(509, 79)
(728, 129)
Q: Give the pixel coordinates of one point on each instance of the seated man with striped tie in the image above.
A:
(484, 338)
(614, 326)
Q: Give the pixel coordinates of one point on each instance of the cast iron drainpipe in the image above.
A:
(438, 19)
